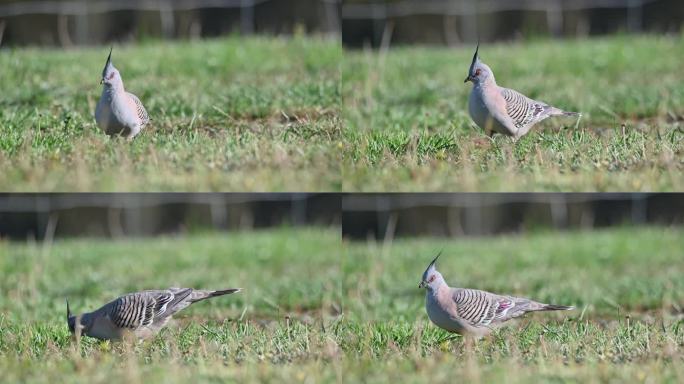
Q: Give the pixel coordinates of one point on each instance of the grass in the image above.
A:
(408, 129)
(626, 284)
(242, 114)
(283, 326)
(317, 311)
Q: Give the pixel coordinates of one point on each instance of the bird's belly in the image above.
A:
(107, 117)
(440, 317)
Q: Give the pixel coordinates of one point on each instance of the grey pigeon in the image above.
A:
(141, 314)
(501, 110)
(471, 312)
(118, 112)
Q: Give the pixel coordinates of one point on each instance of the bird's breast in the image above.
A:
(480, 113)
(112, 116)
(104, 329)
(439, 315)
(477, 108)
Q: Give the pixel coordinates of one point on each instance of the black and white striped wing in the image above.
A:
(482, 309)
(140, 309)
(523, 110)
(140, 110)
(476, 307)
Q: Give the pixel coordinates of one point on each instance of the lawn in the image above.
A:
(626, 284)
(232, 114)
(408, 128)
(317, 311)
(282, 327)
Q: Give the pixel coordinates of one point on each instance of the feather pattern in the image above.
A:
(140, 109)
(523, 110)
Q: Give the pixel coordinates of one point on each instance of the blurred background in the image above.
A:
(451, 22)
(30, 216)
(87, 22)
(454, 215)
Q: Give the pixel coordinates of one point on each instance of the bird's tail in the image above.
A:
(552, 307)
(559, 112)
(224, 292)
(198, 295)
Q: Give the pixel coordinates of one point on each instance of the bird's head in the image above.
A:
(479, 72)
(110, 75)
(431, 277)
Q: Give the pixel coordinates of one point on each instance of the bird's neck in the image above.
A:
(489, 82)
(439, 289)
(114, 89)
(85, 321)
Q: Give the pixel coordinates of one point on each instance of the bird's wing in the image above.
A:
(140, 109)
(483, 309)
(523, 110)
(141, 309)
(476, 307)
(509, 307)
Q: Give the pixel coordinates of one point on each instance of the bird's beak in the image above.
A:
(467, 79)
(101, 81)
(422, 284)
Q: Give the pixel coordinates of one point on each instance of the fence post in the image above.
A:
(554, 17)
(634, 15)
(470, 21)
(246, 17)
(166, 18)
(82, 24)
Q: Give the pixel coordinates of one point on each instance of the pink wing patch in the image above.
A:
(503, 307)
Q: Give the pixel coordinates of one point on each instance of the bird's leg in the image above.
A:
(468, 344)
(522, 132)
(133, 132)
(579, 117)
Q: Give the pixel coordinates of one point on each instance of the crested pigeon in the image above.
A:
(501, 110)
(118, 112)
(140, 314)
(471, 312)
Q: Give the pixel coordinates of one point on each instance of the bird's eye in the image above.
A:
(477, 72)
(432, 278)
(111, 76)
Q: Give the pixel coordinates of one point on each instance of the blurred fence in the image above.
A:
(70, 22)
(24, 216)
(454, 21)
(386, 216)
